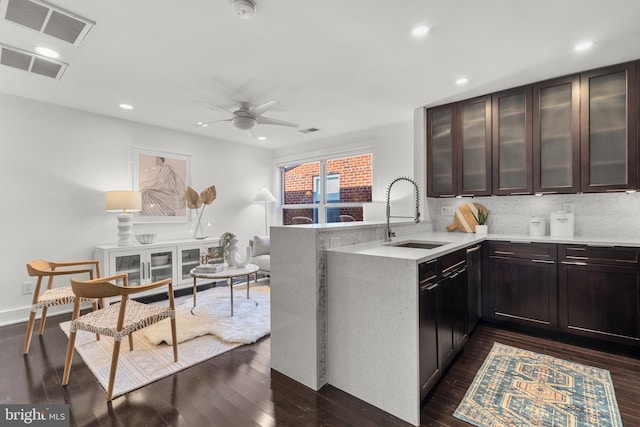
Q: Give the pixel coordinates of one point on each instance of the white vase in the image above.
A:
(234, 257)
(482, 230)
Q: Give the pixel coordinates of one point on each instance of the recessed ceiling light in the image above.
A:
(462, 81)
(262, 138)
(49, 53)
(126, 106)
(420, 30)
(583, 46)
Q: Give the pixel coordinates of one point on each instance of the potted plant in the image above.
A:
(200, 201)
(481, 218)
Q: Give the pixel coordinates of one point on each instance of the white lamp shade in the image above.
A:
(122, 201)
(264, 195)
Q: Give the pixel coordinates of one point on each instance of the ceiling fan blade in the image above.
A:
(225, 108)
(215, 121)
(267, 121)
(259, 109)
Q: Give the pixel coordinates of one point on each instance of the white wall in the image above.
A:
(57, 163)
(393, 155)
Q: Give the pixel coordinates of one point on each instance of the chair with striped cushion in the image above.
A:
(117, 320)
(54, 296)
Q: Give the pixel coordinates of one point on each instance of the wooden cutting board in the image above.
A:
(464, 220)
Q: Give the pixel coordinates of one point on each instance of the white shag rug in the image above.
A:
(149, 361)
(251, 318)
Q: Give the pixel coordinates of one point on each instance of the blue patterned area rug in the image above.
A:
(516, 387)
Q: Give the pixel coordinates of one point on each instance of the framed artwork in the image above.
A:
(162, 179)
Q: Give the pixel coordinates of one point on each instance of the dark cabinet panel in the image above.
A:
(608, 129)
(429, 367)
(441, 152)
(522, 284)
(459, 149)
(600, 301)
(512, 143)
(556, 136)
(474, 147)
(474, 283)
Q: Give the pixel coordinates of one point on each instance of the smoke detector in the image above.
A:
(244, 8)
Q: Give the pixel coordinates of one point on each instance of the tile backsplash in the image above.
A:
(595, 215)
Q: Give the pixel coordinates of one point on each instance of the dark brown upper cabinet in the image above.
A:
(608, 129)
(556, 136)
(441, 181)
(512, 142)
(459, 149)
(474, 145)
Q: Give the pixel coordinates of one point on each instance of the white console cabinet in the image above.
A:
(156, 261)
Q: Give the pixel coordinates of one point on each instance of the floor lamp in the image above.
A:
(265, 196)
(123, 202)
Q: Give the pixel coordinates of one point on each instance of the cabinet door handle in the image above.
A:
(473, 249)
(543, 261)
(149, 270)
(573, 263)
(427, 288)
(504, 252)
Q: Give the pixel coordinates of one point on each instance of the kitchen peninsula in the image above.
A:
(347, 313)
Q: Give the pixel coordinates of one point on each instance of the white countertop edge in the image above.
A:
(457, 240)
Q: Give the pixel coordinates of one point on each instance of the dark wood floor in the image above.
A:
(239, 388)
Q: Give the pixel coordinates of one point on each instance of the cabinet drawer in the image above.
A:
(600, 255)
(539, 251)
(453, 260)
(428, 271)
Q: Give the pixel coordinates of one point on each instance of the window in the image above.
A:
(331, 190)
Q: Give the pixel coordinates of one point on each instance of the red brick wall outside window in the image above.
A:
(355, 175)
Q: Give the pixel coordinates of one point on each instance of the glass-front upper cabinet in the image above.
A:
(475, 146)
(556, 136)
(608, 132)
(440, 152)
(512, 142)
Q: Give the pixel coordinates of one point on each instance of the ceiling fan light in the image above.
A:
(244, 123)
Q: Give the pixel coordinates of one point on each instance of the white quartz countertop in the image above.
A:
(457, 240)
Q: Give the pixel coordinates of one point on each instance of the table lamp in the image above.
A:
(123, 201)
(265, 196)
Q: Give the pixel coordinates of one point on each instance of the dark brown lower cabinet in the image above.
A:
(429, 367)
(599, 301)
(523, 291)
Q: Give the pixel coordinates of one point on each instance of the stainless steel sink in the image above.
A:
(417, 244)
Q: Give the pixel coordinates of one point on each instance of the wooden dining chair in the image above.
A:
(54, 296)
(117, 320)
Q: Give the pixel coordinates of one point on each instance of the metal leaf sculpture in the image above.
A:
(208, 195)
(200, 201)
(193, 199)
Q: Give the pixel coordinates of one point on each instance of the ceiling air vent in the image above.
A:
(30, 62)
(47, 19)
(309, 130)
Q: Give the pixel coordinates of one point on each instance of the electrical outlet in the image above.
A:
(447, 210)
(27, 287)
(568, 207)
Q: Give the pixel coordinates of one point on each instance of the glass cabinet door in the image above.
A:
(475, 135)
(127, 262)
(160, 264)
(440, 152)
(512, 145)
(556, 136)
(188, 259)
(607, 130)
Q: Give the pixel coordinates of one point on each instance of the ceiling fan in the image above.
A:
(246, 116)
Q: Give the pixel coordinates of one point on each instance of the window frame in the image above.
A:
(322, 205)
